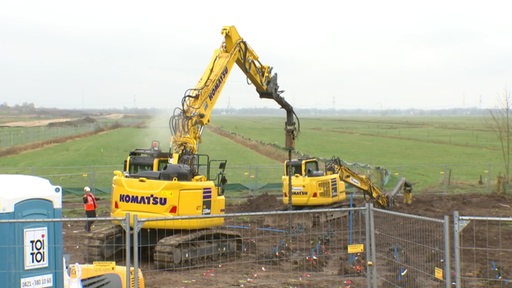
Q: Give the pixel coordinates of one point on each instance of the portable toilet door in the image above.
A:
(32, 256)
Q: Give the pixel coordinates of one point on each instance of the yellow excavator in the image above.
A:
(156, 184)
(311, 186)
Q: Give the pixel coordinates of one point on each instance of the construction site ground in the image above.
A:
(245, 274)
(430, 203)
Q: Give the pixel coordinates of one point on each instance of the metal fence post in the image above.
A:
(126, 226)
(456, 247)
(373, 247)
(368, 246)
(447, 268)
(136, 229)
(127, 248)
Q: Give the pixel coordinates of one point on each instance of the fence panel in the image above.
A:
(410, 251)
(271, 249)
(13, 136)
(483, 251)
(320, 248)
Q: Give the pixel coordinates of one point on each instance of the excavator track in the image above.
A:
(104, 243)
(196, 249)
(188, 249)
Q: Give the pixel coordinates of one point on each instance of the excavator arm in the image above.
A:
(188, 121)
(362, 182)
(261, 76)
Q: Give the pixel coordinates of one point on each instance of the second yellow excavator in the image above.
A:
(311, 186)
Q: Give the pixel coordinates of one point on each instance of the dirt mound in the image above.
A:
(471, 204)
(35, 123)
(72, 123)
(434, 205)
(260, 203)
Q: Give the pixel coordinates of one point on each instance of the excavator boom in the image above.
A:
(187, 122)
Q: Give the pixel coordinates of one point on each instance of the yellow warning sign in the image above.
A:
(355, 248)
(438, 273)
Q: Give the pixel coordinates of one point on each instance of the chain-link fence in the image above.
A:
(270, 249)
(363, 247)
(323, 248)
(483, 251)
(410, 251)
(15, 136)
(437, 178)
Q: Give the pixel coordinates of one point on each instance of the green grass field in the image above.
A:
(426, 150)
(447, 154)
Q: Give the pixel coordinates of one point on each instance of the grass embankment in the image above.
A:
(442, 154)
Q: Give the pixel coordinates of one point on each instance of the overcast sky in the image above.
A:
(369, 54)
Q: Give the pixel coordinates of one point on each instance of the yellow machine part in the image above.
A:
(314, 191)
(155, 199)
(104, 274)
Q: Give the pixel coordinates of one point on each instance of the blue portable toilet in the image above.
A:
(31, 251)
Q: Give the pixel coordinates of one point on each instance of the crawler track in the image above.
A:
(183, 249)
(104, 243)
(196, 249)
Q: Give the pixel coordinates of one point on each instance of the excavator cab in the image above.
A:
(293, 167)
(146, 159)
(310, 186)
(303, 167)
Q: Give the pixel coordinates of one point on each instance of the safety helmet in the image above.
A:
(87, 189)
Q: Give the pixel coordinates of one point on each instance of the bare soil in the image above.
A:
(247, 274)
(430, 204)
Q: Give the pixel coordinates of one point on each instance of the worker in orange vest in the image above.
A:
(89, 207)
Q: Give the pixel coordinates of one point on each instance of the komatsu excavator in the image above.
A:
(156, 184)
(312, 187)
